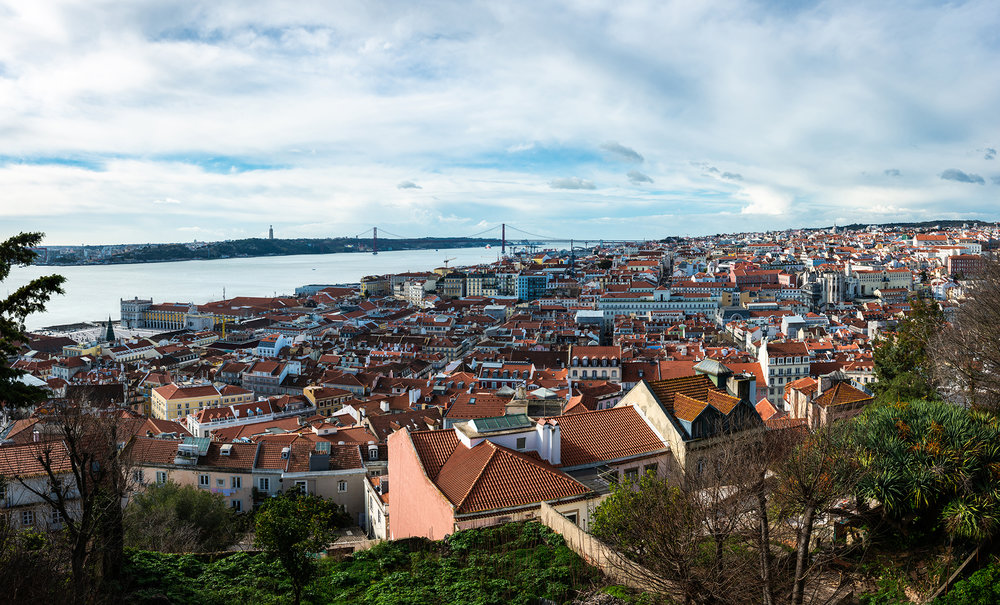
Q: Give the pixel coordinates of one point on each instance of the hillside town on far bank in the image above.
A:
(486, 394)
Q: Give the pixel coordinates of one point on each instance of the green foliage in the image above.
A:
(518, 563)
(889, 592)
(902, 365)
(981, 588)
(29, 298)
(295, 528)
(932, 462)
(172, 518)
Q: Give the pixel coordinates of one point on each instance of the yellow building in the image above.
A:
(166, 316)
(376, 285)
(92, 349)
(175, 401)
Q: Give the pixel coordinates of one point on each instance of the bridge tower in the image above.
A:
(374, 240)
(503, 239)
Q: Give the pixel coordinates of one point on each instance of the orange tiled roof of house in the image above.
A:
(477, 405)
(696, 387)
(269, 456)
(842, 393)
(766, 410)
(488, 476)
(24, 460)
(602, 435)
(688, 408)
(433, 448)
(805, 385)
(175, 391)
(722, 401)
(241, 455)
(149, 450)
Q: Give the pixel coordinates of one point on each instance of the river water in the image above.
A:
(93, 292)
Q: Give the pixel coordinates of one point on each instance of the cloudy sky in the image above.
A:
(173, 121)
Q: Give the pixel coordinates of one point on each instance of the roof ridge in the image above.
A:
(479, 475)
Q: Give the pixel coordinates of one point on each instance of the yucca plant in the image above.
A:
(932, 461)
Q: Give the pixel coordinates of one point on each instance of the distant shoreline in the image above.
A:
(71, 256)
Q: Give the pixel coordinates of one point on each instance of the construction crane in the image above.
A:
(448, 260)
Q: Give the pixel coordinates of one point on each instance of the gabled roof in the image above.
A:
(434, 448)
(695, 387)
(609, 434)
(477, 405)
(842, 393)
(489, 476)
(149, 450)
(25, 460)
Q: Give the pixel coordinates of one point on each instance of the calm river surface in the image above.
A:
(93, 291)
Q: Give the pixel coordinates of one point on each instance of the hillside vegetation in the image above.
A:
(513, 563)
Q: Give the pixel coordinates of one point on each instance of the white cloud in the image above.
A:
(764, 200)
(490, 107)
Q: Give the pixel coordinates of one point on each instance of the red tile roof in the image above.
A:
(696, 387)
(843, 393)
(175, 391)
(241, 456)
(688, 408)
(601, 435)
(434, 448)
(477, 405)
(488, 477)
(26, 460)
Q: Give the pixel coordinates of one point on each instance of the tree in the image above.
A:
(29, 298)
(965, 354)
(810, 481)
(84, 469)
(706, 536)
(903, 368)
(294, 528)
(171, 518)
(931, 464)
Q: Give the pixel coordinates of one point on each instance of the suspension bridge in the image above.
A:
(518, 238)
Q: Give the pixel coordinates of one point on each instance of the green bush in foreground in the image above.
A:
(981, 588)
(513, 563)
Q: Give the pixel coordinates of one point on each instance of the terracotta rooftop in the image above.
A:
(434, 448)
(477, 405)
(842, 393)
(601, 435)
(722, 401)
(688, 408)
(696, 387)
(175, 391)
(25, 460)
(489, 476)
(241, 456)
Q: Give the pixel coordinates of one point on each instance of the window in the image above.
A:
(521, 442)
(301, 486)
(161, 477)
(264, 484)
(57, 518)
(202, 480)
(573, 517)
(701, 466)
(236, 482)
(342, 486)
(137, 476)
(238, 506)
(27, 517)
(651, 468)
(631, 474)
(373, 453)
(220, 482)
